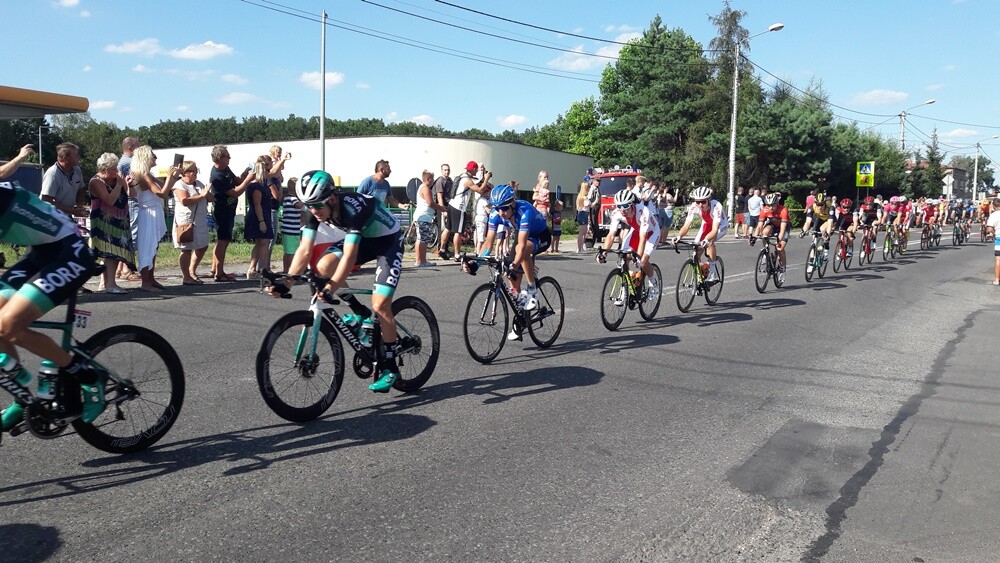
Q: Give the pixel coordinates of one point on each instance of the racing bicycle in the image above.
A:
(143, 387)
(300, 364)
(488, 313)
(693, 279)
(768, 266)
(867, 244)
(958, 233)
(844, 253)
(622, 291)
(891, 244)
(818, 256)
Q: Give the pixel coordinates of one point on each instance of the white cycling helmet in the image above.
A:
(772, 198)
(703, 192)
(315, 187)
(625, 198)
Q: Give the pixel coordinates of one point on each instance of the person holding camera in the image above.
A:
(465, 186)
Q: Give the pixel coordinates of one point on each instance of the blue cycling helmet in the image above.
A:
(502, 195)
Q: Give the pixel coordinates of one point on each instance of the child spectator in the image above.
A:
(556, 225)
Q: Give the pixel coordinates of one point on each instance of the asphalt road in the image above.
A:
(849, 419)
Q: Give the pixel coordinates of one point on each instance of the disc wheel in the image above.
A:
(547, 320)
(296, 383)
(687, 285)
(762, 273)
(615, 289)
(142, 407)
(651, 304)
(419, 342)
(714, 289)
(486, 323)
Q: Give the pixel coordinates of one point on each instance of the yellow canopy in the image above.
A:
(18, 103)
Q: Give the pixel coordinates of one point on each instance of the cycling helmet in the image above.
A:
(625, 198)
(846, 203)
(894, 199)
(820, 198)
(703, 192)
(902, 199)
(869, 200)
(773, 198)
(502, 195)
(314, 187)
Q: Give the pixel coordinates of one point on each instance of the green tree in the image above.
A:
(933, 177)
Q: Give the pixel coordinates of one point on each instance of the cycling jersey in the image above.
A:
(772, 217)
(643, 221)
(711, 215)
(821, 212)
(928, 211)
(363, 218)
(524, 218)
(869, 213)
(59, 262)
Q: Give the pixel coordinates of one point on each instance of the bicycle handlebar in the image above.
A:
(317, 283)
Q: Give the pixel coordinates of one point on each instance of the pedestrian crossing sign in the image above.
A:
(866, 175)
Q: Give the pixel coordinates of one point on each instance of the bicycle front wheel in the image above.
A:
(839, 255)
(954, 237)
(887, 248)
(614, 300)
(297, 383)
(144, 394)
(811, 263)
(687, 285)
(546, 322)
(848, 253)
(714, 289)
(486, 323)
(651, 303)
(419, 342)
(763, 271)
(824, 260)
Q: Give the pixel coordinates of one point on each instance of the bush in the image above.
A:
(569, 227)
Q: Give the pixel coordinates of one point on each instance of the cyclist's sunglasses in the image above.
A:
(319, 205)
(624, 206)
(701, 201)
(502, 208)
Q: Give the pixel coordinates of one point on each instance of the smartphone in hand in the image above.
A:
(178, 159)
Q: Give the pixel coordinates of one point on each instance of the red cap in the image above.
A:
(472, 165)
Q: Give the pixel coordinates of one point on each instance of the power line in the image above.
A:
(956, 122)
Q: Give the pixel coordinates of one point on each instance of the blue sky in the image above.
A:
(145, 61)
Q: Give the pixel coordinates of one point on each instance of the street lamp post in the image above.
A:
(902, 123)
(40, 127)
(975, 171)
(732, 125)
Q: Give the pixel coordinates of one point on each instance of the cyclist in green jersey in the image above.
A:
(57, 265)
(370, 233)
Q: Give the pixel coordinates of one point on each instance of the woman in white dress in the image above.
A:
(191, 199)
(151, 222)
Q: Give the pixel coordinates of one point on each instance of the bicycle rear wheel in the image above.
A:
(687, 285)
(714, 289)
(824, 260)
(763, 271)
(615, 290)
(870, 254)
(297, 384)
(486, 323)
(143, 410)
(848, 253)
(651, 304)
(419, 342)
(887, 248)
(925, 239)
(954, 237)
(545, 323)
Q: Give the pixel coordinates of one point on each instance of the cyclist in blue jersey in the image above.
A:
(58, 264)
(369, 233)
(532, 236)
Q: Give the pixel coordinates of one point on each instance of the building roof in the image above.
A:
(19, 103)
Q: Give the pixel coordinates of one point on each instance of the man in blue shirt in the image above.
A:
(377, 187)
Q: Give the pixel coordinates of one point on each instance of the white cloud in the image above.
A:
(102, 104)
(512, 120)
(391, 117)
(141, 68)
(623, 28)
(314, 81)
(935, 87)
(363, 86)
(959, 134)
(233, 79)
(145, 47)
(579, 60)
(236, 98)
(68, 3)
(422, 119)
(949, 68)
(86, 68)
(880, 97)
(183, 109)
(85, 14)
(202, 51)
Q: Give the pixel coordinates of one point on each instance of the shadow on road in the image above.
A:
(28, 542)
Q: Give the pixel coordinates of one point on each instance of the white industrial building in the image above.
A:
(354, 158)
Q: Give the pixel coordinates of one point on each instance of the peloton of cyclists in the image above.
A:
(640, 221)
(714, 224)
